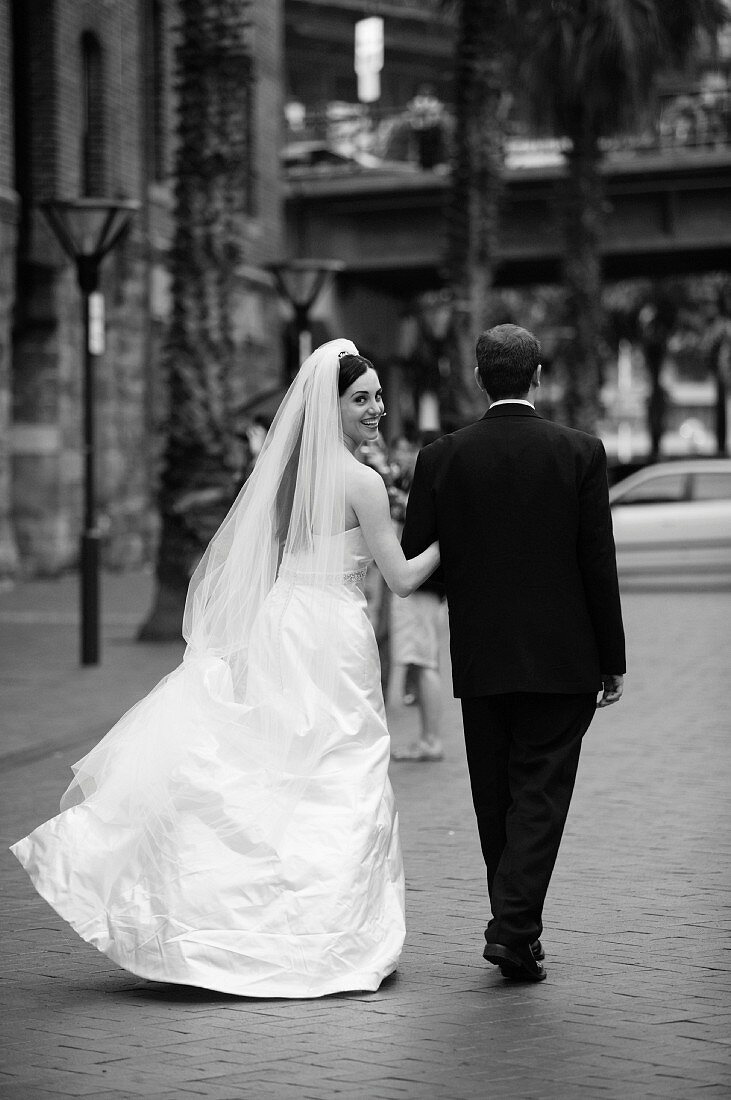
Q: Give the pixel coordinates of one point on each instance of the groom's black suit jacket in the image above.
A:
(519, 505)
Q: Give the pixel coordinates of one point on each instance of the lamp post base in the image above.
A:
(89, 561)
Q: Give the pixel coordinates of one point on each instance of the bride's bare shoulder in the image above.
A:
(362, 481)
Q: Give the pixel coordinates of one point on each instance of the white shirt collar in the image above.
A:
(512, 401)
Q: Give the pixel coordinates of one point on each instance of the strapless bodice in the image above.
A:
(356, 558)
(357, 554)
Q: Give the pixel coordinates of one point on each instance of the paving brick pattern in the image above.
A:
(637, 999)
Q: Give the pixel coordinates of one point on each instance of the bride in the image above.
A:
(236, 829)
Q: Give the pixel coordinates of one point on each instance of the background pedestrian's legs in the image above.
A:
(410, 685)
(416, 635)
(429, 703)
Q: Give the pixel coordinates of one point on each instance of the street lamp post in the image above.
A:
(88, 229)
(300, 283)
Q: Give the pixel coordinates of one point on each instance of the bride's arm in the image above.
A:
(369, 499)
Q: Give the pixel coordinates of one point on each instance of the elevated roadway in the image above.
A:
(668, 213)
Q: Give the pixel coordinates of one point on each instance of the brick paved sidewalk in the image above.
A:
(636, 1003)
(47, 698)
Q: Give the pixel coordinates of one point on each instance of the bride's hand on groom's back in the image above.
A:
(613, 688)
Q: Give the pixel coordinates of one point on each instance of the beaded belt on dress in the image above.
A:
(354, 576)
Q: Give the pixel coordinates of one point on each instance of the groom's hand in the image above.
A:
(613, 688)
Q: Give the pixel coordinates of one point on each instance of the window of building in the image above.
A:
(156, 91)
(93, 175)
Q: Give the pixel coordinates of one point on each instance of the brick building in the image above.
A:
(87, 107)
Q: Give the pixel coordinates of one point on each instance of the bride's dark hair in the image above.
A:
(350, 368)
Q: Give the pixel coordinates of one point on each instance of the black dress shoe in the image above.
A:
(537, 950)
(516, 962)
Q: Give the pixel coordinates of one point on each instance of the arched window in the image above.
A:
(93, 175)
(156, 91)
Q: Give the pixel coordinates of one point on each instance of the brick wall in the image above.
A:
(47, 351)
(7, 157)
(8, 240)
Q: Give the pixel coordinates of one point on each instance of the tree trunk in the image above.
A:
(199, 481)
(654, 353)
(581, 210)
(476, 186)
(656, 320)
(721, 369)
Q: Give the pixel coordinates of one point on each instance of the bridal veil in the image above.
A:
(290, 515)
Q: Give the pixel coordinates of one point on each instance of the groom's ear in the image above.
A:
(536, 379)
(478, 380)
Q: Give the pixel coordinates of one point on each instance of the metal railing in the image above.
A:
(420, 135)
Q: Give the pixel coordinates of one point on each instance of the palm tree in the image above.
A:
(476, 179)
(588, 69)
(646, 313)
(212, 192)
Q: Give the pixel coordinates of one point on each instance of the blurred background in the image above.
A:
(404, 173)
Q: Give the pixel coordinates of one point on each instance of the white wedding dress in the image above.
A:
(205, 859)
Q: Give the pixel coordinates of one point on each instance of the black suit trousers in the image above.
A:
(523, 753)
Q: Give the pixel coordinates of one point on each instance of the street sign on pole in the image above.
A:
(369, 57)
(96, 323)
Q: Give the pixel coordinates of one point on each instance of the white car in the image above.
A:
(672, 521)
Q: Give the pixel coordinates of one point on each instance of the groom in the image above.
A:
(519, 505)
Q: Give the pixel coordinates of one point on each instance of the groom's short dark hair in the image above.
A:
(507, 357)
